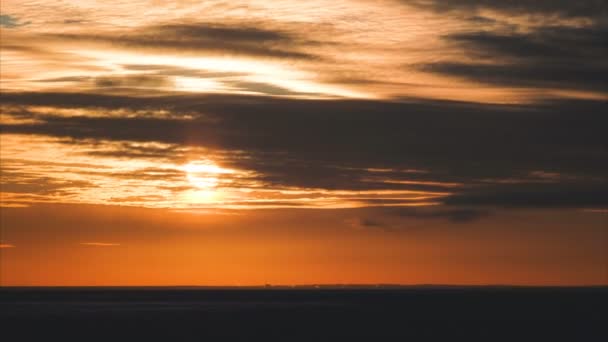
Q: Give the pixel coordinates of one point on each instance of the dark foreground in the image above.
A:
(414, 314)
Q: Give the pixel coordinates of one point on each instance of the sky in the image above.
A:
(303, 142)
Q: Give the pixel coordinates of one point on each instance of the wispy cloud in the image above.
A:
(6, 245)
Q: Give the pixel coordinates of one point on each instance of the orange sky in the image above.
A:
(220, 142)
(97, 245)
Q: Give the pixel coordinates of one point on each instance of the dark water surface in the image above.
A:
(403, 314)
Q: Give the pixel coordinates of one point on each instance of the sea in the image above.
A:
(304, 313)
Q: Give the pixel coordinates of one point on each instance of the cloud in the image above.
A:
(260, 87)
(10, 21)
(545, 42)
(336, 144)
(133, 81)
(99, 244)
(366, 223)
(216, 32)
(527, 75)
(547, 57)
(392, 219)
(66, 79)
(208, 37)
(535, 196)
(6, 245)
(454, 215)
(18, 181)
(561, 8)
(161, 77)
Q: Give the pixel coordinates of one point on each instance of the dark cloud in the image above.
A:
(331, 143)
(553, 196)
(392, 219)
(368, 223)
(550, 57)
(133, 81)
(208, 31)
(560, 8)
(579, 77)
(458, 215)
(129, 150)
(212, 38)
(558, 42)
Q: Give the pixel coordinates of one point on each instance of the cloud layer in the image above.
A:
(552, 153)
(294, 106)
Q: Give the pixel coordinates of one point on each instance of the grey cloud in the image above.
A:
(9, 21)
(557, 42)
(550, 76)
(368, 223)
(128, 150)
(392, 219)
(550, 57)
(458, 215)
(145, 81)
(209, 31)
(554, 196)
(597, 9)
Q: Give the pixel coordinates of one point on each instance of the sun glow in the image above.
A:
(74, 175)
(279, 74)
(196, 84)
(205, 177)
(204, 174)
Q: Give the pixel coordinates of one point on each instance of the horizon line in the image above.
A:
(312, 286)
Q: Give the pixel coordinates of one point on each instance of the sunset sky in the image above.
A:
(304, 142)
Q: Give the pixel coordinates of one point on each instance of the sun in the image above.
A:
(204, 176)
